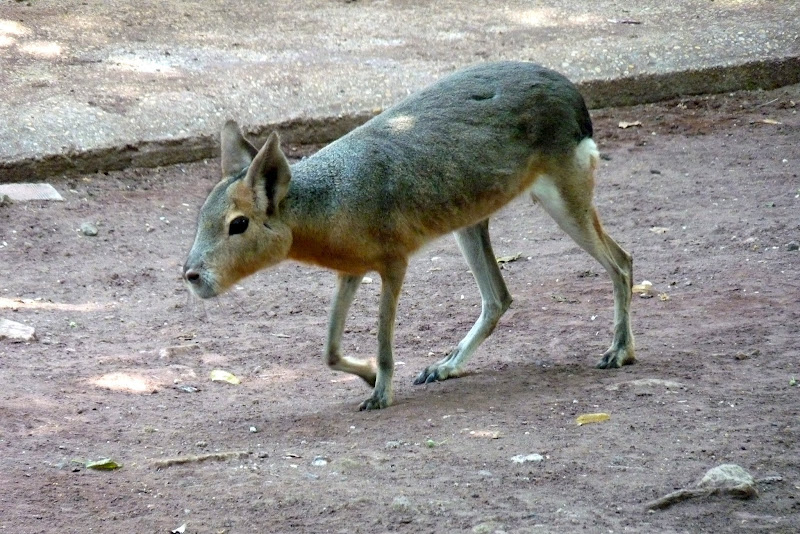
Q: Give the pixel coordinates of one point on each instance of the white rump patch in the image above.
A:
(545, 191)
(586, 154)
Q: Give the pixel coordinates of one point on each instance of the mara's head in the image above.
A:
(240, 230)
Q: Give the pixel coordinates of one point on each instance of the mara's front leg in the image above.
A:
(391, 283)
(345, 293)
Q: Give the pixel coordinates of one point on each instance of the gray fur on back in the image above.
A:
(450, 141)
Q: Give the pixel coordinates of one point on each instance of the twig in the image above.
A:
(678, 496)
(766, 103)
(742, 491)
(167, 462)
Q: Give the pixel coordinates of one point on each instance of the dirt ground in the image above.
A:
(704, 194)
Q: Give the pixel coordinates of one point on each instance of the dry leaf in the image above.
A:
(106, 464)
(218, 375)
(663, 296)
(489, 434)
(507, 259)
(592, 418)
(625, 125)
(645, 287)
(770, 121)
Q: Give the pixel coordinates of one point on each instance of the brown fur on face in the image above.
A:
(222, 258)
(266, 241)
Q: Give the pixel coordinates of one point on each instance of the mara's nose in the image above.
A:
(191, 276)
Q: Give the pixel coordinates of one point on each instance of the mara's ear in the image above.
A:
(269, 175)
(237, 152)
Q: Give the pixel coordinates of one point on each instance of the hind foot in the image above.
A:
(441, 370)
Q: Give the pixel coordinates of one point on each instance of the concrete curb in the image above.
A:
(646, 88)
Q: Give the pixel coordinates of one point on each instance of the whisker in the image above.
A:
(194, 303)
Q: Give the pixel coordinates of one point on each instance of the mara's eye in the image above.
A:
(238, 225)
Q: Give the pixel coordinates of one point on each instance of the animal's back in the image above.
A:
(451, 154)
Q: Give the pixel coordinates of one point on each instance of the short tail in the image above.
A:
(587, 155)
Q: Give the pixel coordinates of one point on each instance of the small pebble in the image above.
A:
(524, 458)
(793, 245)
(401, 503)
(88, 229)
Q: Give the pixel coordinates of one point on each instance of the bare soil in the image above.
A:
(704, 194)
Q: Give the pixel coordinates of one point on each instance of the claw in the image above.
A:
(613, 359)
(427, 376)
(606, 363)
(374, 403)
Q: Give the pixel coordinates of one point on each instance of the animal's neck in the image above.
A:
(309, 199)
(308, 213)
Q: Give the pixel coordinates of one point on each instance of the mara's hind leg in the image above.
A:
(565, 192)
(495, 299)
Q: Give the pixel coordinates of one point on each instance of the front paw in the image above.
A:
(376, 402)
(614, 358)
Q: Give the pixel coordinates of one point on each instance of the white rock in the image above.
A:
(731, 478)
(16, 331)
(523, 458)
(88, 229)
(25, 192)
